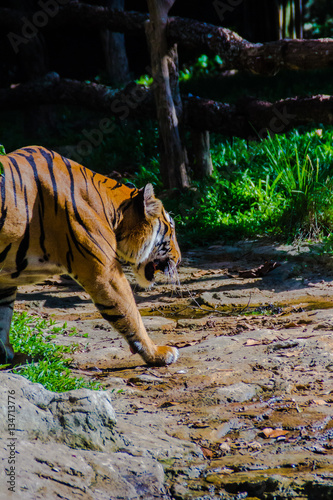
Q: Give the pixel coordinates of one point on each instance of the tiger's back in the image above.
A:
(59, 217)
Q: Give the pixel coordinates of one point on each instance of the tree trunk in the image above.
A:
(173, 156)
(202, 161)
(114, 50)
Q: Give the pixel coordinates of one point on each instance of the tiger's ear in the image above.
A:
(151, 206)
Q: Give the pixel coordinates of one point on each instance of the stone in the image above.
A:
(80, 418)
(53, 470)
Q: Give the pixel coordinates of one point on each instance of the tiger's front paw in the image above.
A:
(164, 356)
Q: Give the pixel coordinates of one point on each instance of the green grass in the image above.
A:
(34, 336)
(281, 187)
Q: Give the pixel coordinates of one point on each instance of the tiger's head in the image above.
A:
(147, 239)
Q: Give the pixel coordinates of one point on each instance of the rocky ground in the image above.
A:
(247, 411)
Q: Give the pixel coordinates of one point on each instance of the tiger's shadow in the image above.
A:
(60, 293)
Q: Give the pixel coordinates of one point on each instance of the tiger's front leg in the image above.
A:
(116, 303)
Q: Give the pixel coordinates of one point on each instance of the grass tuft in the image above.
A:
(34, 336)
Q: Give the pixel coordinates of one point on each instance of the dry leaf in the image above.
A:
(270, 433)
(289, 354)
(259, 271)
(207, 453)
(198, 425)
(167, 404)
(252, 342)
(319, 402)
(205, 272)
(184, 343)
(199, 274)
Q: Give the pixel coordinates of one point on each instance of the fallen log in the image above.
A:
(235, 51)
(249, 118)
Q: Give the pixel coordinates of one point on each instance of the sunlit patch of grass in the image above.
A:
(34, 336)
(280, 187)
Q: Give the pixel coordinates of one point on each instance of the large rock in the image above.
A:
(67, 445)
(50, 471)
(80, 418)
(84, 419)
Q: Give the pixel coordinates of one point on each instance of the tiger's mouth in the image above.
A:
(153, 267)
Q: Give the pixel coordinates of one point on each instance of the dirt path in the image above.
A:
(253, 387)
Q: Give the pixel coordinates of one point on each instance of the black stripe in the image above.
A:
(159, 226)
(6, 293)
(102, 307)
(72, 188)
(115, 218)
(76, 212)
(7, 303)
(84, 175)
(100, 197)
(50, 152)
(69, 256)
(21, 260)
(4, 252)
(124, 205)
(71, 232)
(107, 242)
(31, 150)
(42, 234)
(14, 184)
(166, 227)
(116, 186)
(3, 201)
(31, 161)
(112, 318)
(17, 168)
(76, 242)
(50, 164)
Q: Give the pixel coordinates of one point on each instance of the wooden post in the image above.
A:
(173, 156)
(202, 162)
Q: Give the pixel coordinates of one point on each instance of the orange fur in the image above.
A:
(59, 217)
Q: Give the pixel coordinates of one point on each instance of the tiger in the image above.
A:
(59, 217)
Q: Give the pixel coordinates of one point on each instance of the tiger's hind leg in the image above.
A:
(7, 354)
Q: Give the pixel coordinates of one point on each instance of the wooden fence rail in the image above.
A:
(249, 118)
